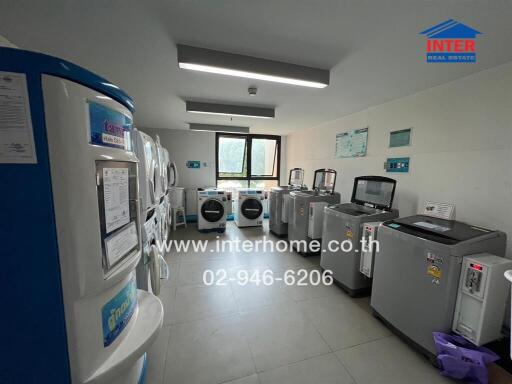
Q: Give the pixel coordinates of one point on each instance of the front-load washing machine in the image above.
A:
(324, 182)
(417, 271)
(372, 199)
(249, 207)
(278, 207)
(212, 208)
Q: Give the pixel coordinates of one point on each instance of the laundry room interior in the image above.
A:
(270, 192)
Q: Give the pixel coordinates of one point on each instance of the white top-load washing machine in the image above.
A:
(73, 311)
(146, 151)
(300, 204)
(417, 271)
(279, 201)
(212, 209)
(249, 207)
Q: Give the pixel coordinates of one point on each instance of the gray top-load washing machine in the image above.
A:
(417, 270)
(372, 198)
(278, 208)
(324, 182)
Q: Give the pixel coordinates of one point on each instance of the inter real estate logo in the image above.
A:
(451, 42)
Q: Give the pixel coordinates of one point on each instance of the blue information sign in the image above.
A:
(116, 313)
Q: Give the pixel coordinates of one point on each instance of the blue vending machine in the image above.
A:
(70, 228)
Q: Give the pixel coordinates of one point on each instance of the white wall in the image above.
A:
(189, 145)
(461, 148)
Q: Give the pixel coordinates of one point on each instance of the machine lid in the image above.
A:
(435, 229)
(296, 178)
(251, 208)
(353, 209)
(212, 210)
(324, 180)
(374, 191)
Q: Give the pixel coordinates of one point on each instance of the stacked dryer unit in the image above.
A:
(149, 271)
(324, 182)
(249, 207)
(279, 202)
(164, 214)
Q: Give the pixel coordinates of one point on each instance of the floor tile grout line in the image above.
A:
(345, 368)
(363, 343)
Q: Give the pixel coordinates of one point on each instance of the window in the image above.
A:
(247, 160)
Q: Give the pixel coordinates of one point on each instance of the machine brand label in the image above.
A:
(117, 312)
(109, 128)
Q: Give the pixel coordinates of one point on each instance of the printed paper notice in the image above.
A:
(352, 143)
(119, 244)
(116, 196)
(16, 133)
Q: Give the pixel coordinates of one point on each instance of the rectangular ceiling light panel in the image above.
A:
(230, 110)
(218, 128)
(231, 64)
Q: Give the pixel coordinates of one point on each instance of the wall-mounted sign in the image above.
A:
(401, 138)
(352, 143)
(195, 164)
(397, 164)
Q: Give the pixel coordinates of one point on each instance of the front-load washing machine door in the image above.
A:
(212, 210)
(251, 208)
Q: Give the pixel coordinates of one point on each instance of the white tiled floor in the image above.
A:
(270, 335)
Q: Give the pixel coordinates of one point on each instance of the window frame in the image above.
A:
(248, 148)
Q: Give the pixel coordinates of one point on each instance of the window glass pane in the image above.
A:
(263, 157)
(232, 157)
(265, 184)
(231, 185)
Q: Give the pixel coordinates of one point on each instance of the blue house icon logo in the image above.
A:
(451, 42)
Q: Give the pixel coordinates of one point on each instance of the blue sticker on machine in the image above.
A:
(116, 314)
(109, 128)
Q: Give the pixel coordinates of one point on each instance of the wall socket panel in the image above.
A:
(397, 165)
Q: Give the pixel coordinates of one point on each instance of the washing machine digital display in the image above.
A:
(116, 183)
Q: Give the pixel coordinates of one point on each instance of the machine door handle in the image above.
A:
(212, 211)
(251, 209)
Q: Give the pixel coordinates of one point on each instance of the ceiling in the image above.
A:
(373, 49)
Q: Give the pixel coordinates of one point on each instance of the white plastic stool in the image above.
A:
(177, 212)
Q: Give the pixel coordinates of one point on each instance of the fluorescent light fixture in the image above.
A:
(224, 63)
(218, 128)
(230, 110)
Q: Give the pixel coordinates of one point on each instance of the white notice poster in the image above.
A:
(16, 134)
(118, 245)
(116, 197)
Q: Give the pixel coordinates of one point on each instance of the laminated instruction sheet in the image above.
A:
(352, 143)
(16, 131)
(116, 196)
